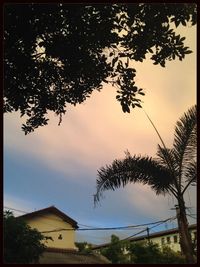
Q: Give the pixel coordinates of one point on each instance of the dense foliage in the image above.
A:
(142, 252)
(58, 54)
(84, 247)
(21, 243)
(124, 251)
(115, 251)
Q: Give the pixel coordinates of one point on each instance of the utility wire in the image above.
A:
(53, 219)
(140, 232)
(155, 224)
(127, 238)
(191, 216)
(110, 228)
(95, 228)
(15, 209)
(43, 216)
(161, 222)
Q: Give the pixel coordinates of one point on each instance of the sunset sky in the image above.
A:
(57, 165)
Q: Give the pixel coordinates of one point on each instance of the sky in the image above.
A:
(57, 165)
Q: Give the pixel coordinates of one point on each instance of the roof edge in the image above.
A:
(54, 210)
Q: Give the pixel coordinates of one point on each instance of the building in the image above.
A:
(61, 228)
(53, 223)
(168, 238)
(163, 238)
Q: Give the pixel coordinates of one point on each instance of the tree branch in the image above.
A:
(173, 191)
(193, 179)
(38, 55)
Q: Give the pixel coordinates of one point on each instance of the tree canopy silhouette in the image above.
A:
(22, 244)
(58, 54)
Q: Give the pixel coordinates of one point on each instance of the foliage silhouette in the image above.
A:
(84, 247)
(58, 54)
(143, 252)
(21, 243)
(172, 172)
(115, 251)
(140, 252)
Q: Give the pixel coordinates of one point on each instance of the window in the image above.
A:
(195, 235)
(168, 239)
(162, 241)
(175, 239)
(60, 237)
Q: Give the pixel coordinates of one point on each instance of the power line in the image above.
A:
(155, 224)
(140, 232)
(25, 212)
(53, 219)
(133, 235)
(15, 209)
(94, 228)
(191, 216)
(86, 225)
(158, 223)
(110, 228)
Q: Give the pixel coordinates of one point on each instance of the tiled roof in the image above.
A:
(72, 257)
(161, 233)
(53, 210)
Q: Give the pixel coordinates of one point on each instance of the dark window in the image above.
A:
(194, 235)
(168, 239)
(191, 235)
(175, 239)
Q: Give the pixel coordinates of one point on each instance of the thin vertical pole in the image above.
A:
(148, 238)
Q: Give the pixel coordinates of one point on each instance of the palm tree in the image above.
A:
(171, 172)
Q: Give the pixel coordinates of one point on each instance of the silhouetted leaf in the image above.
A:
(188, 52)
(141, 93)
(177, 22)
(114, 61)
(138, 105)
(79, 48)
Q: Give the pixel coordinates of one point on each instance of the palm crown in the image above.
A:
(172, 171)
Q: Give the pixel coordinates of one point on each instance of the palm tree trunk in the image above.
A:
(185, 238)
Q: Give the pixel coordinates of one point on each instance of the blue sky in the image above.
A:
(57, 165)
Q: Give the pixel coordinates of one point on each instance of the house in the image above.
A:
(168, 237)
(61, 249)
(53, 223)
(163, 238)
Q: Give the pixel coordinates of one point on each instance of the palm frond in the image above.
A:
(191, 172)
(190, 175)
(166, 158)
(185, 140)
(133, 169)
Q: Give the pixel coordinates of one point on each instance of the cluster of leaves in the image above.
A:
(84, 247)
(21, 243)
(140, 252)
(143, 252)
(58, 54)
(115, 251)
